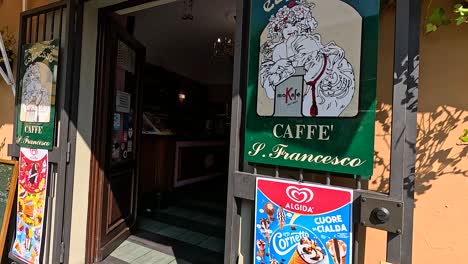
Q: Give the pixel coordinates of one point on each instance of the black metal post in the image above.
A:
(77, 7)
(403, 147)
(233, 203)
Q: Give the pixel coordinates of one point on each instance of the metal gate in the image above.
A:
(60, 20)
(392, 212)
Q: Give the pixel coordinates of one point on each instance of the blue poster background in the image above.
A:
(279, 246)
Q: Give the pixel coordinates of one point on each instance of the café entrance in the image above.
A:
(161, 127)
(125, 203)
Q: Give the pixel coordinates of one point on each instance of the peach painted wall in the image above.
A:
(9, 17)
(442, 163)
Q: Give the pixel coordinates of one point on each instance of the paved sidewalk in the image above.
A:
(132, 253)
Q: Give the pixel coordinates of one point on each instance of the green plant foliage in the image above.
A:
(9, 41)
(464, 137)
(439, 17)
(436, 19)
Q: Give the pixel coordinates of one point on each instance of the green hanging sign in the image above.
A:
(312, 83)
(35, 121)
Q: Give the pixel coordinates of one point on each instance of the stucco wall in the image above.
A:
(9, 17)
(442, 165)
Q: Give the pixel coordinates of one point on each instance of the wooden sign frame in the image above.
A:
(9, 203)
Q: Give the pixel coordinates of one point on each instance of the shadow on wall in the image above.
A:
(442, 111)
(2, 142)
(437, 151)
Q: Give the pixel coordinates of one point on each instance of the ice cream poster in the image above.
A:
(311, 84)
(302, 223)
(32, 190)
(37, 84)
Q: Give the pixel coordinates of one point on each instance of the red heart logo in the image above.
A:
(299, 195)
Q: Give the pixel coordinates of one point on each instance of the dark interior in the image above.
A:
(183, 156)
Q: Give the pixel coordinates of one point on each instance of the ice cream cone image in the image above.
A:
(28, 210)
(307, 252)
(261, 248)
(27, 239)
(18, 247)
(261, 253)
(281, 216)
(34, 255)
(269, 210)
(337, 250)
(281, 225)
(265, 228)
(296, 259)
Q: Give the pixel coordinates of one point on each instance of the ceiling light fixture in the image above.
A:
(223, 47)
(188, 10)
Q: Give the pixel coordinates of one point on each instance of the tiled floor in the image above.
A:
(131, 252)
(195, 238)
(172, 237)
(190, 230)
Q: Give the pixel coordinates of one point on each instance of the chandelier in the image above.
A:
(223, 47)
(188, 10)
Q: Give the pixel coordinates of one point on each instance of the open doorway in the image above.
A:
(161, 133)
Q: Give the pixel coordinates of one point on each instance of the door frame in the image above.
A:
(99, 147)
(92, 246)
(59, 203)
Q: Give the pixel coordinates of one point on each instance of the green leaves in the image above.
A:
(439, 18)
(464, 137)
(430, 27)
(460, 20)
(462, 13)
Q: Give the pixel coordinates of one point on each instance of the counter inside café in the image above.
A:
(172, 158)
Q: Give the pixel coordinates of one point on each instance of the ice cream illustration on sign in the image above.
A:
(337, 249)
(307, 252)
(283, 235)
(301, 76)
